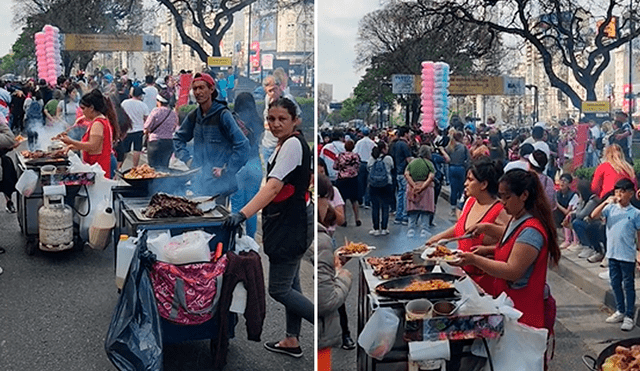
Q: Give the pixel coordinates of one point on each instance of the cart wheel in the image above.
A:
(31, 246)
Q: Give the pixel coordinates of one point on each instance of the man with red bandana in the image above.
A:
(219, 146)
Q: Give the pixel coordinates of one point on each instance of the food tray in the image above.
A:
(217, 213)
(393, 288)
(175, 178)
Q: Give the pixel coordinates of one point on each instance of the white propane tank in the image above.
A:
(55, 220)
(126, 247)
(100, 229)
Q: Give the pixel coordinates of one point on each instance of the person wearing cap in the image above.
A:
(159, 128)
(150, 92)
(523, 162)
(220, 148)
(137, 111)
(622, 135)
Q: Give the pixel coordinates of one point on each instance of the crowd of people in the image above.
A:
(520, 198)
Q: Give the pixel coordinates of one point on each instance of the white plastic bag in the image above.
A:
(27, 183)
(379, 333)
(189, 247)
(520, 348)
(96, 192)
(246, 243)
(156, 242)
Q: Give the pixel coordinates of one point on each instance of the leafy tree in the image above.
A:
(564, 33)
(397, 38)
(75, 16)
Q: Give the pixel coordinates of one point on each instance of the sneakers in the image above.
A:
(585, 253)
(397, 221)
(358, 223)
(604, 263)
(595, 258)
(274, 347)
(424, 234)
(374, 232)
(367, 207)
(565, 244)
(575, 247)
(627, 324)
(384, 232)
(348, 343)
(10, 207)
(616, 317)
(405, 222)
(604, 275)
(411, 233)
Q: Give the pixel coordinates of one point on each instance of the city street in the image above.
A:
(580, 327)
(55, 309)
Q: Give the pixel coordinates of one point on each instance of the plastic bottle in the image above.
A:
(126, 247)
(100, 229)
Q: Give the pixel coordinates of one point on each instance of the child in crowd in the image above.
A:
(567, 202)
(622, 223)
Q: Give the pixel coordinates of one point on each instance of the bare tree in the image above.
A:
(566, 34)
(213, 18)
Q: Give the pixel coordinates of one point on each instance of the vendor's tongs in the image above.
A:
(445, 241)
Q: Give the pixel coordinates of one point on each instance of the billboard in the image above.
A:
(110, 43)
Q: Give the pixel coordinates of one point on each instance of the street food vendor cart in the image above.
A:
(440, 327)
(28, 206)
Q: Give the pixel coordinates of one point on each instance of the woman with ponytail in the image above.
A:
(96, 143)
(526, 246)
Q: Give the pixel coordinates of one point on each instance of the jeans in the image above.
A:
(591, 234)
(363, 190)
(248, 178)
(436, 194)
(418, 215)
(401, 204)
(456, 180)
(284, 287)
(622, 276)
(380, 202)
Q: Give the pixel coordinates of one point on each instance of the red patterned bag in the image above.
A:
(186, 294)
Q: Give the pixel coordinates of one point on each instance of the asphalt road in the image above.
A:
(55, 310)
(580, 327)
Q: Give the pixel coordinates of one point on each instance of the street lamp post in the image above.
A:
(169, 64)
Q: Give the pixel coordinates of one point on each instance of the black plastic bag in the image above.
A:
(134, 339)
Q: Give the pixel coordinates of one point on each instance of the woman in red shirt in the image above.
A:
(482, 206)
(96, 143)
(614, 168)
(527, 245)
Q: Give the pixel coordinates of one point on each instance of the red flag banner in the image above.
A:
(185, 87)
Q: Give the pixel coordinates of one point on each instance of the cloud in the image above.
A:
(337, 37)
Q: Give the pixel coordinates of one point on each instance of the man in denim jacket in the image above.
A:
(219, 146)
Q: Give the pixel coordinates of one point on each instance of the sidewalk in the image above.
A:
(581, 273)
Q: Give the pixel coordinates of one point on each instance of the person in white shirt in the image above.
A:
(363, 149)
(273, 89)
(137, 111)
(523, 162)
(330, 152)
(150, 93)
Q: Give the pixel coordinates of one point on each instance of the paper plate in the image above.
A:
(430, 250)
(355, 255)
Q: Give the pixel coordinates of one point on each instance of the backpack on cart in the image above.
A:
(378, 176)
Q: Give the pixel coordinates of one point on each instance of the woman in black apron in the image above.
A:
(283, 201)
